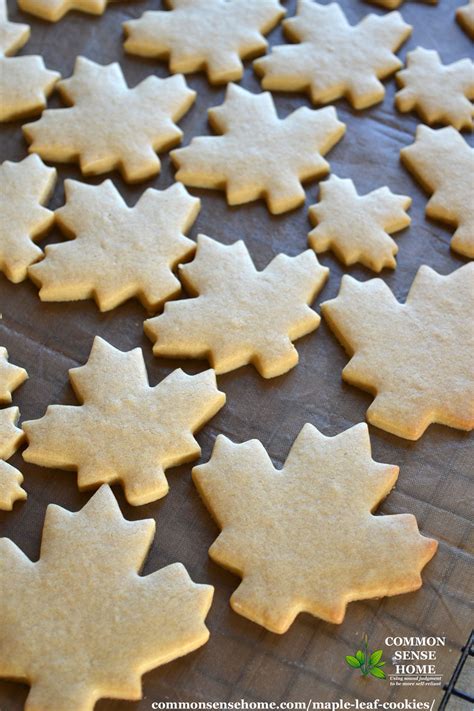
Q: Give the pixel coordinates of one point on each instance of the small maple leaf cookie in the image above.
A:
(11, 377)
(214, 35)
(54, 10)
(333, 58)
(81, 623)
(439, 93)
(415, 358)
(356, 228)
(10, 439)
(465, 18)
(25, 83)
(259, 155)
(24, 188)
(240, 315)
(109, 125)
(124, 430)
(289, 533)
(444, 165)
(118, 251)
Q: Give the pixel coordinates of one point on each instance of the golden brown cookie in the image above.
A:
(210, 35)
(54, 10)
(443, 163)
(439, 93)
(109, 126)
(356, 227)
(124, 431)
(25, 187)
(259, 155)
(25, 83)
(415, 358)
(116, 251)
(465, 17)
(10, 478)
(240, 315)
(11, 377)
(334, 59)
(81, 623)
(290, 532)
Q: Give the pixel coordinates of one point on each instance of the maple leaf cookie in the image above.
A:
(24, 189)
(10, 439)
(240, 315)
(118, 251)
(210, 35)
(11, 377)
(54, 10)
(124, 430)
(81, 623)
(289, 533)
(465, 18)
(25, 83)
(259, 155)
(444, 165)
(357, 228)
(415, 358)
(109, 125)
(333, 58)
(439, 93)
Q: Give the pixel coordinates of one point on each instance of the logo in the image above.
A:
(368, 663)
(415, 660)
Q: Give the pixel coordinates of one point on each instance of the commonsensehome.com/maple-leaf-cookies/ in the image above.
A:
(83, 621)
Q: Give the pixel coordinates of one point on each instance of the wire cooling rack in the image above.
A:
(450, 688)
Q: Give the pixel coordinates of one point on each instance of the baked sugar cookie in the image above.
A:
(290, 532)
(25, 83)
(110, 126)
(356, 227)
(443, 163)
(240, 315)
(25, 187)
(465, 17)
(124, 431)
(334, 59)
(117, 251)
(11, 377)
(54, 10)
(259, 155)
(81, 623)
(439, 93)
(210, 35)
(415, 358)
(10, 478)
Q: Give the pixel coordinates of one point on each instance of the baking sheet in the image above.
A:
(242, 660)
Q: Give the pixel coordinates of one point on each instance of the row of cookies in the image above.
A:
(215, 36)
(355, 227)
(441, 160)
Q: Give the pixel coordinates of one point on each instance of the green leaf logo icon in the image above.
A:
(369, 664)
